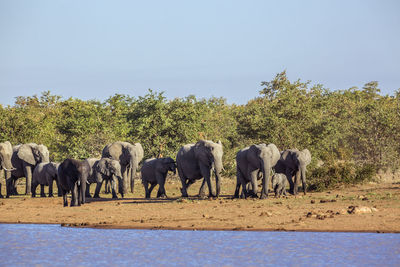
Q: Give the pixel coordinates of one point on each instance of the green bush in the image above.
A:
(355, 131)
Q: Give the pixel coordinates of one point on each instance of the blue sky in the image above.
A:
(95, 49)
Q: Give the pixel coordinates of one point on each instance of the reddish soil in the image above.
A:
(322, 211)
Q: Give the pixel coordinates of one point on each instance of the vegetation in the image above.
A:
(351, 133)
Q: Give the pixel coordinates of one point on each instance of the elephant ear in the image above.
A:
(7, 146)
(25, 153)
(275, 154)
(103, 167)
(139, 151)
(42, 152)
(167, 163)
(306, 156)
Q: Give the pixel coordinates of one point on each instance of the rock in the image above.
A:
(266, 213)
(343, 211)
(359, 210)
(312, 201)
(311, 214)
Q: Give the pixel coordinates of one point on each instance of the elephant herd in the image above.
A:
(120, 161)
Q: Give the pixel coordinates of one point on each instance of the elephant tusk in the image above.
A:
(9, 170)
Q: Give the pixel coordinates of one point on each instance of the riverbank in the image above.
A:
(361, 208)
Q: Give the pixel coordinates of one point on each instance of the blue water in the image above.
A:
(53, 245)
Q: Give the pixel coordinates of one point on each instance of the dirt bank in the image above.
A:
(369, 208)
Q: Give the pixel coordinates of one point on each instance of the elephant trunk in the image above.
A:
(217, 171)
(83, 192)
(266, 171)
(303, 177)
(133, 169)
(6, 164)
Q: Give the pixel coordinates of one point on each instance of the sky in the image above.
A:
(94, 49)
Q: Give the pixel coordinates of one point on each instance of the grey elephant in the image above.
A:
(129, 157)
(24, 159)
(154, 171)
(196, 161)
(72, 177)
(279, 181)
(104, 169)
(252, 161)
(294, 163)
(44, 175)
(5, 161)
(91, 177)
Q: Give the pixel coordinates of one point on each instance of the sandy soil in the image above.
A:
(325, 211)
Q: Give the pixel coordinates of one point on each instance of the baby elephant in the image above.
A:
(108, 170)
(279, 181)
(44, 175)
(154, 171)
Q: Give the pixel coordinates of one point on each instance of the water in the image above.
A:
(52, 245)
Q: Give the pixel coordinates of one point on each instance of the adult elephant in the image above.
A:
(5, 161)
(196, 161)
(104, 169)
(72, 177)
(251, 161)
(294, 163)
(24, 159)
(129, 157)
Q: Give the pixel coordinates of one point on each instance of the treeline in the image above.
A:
(351, 133)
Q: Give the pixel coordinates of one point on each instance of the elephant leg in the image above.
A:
(74, 193)
(206, 173)
(59, 190)
(202, 192)
(124, 189)
(238, 183)
(9, 186)
(303, 178)
(42, 194)
(132, 174)
(28, 175)
(97, 190)
(65, 200)
(161, 190)
(33, 189)
(87, 191)
(290, 180)
(296, 182)
(146, 188)
(278, 190)
(253, 180)
(161, 185)
(51, 188)
(183, 182)
(107, 188)
(151, 188)
(82, 191)
(113, 187)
